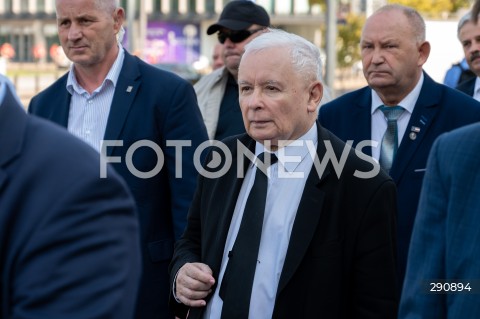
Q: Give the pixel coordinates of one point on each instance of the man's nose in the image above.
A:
(75, 32)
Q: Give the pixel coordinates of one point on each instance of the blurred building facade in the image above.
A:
(29, 26)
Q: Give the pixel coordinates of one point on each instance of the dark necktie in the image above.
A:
(237, 282)
(389, 145)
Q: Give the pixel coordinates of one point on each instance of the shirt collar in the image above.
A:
(112, 75)
(477, 86)
(408, 103)
(3, 89)
(286, 155)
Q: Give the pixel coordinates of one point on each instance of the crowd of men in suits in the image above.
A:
(281, 233)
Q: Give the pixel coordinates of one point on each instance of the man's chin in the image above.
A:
(377, 82)
(475, 67)
(81, 61)
(232, 62)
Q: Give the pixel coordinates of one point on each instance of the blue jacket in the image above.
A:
(445, 239)
(438, 109)
(69, 244)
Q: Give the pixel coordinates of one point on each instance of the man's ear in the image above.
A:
(424, 52)
(316, 94)
(118, 18)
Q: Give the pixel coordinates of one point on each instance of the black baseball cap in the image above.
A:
(240, 15)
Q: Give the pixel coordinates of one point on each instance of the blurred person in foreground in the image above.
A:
(143, 120)
(327, 245)
(70, 242)
(394, 49)
(442, 280)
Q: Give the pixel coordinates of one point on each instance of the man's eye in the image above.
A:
(271, 88)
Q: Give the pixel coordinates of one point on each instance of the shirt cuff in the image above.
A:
(174, 290)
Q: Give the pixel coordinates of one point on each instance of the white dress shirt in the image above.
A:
(286, 182)
(379, 121)
(476, 90)
(88, 114)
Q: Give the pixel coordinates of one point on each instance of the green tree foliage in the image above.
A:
(348, 43)
(460, 4)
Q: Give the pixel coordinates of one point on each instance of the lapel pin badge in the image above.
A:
(413, 134)
(423, 120)
(129, 88)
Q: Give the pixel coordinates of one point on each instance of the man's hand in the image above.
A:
(194, 282)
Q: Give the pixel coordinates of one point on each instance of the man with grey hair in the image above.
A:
(401, 111)
(133, 114)
(468, 33)
(295, 239)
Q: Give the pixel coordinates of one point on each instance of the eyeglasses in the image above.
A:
(236, 36)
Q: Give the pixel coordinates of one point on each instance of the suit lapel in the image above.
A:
(61, 103)
(13, 122)
(125, 92)
(362, 114)
(306, 219)
(422, 117)
(221, 215)
(471, 88)
(224, 214)
(61, 114)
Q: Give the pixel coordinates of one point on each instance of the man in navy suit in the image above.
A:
(468, 33)
(69, 240)
(443, 272)
(393, 51)
(149, 120)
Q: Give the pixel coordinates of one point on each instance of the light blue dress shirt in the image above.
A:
(88, 114)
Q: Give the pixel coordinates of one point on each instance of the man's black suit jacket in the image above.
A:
(340, 261)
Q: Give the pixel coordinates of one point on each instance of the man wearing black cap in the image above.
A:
(217, 92)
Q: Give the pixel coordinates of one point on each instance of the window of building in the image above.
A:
(40, 6)
(24, 6)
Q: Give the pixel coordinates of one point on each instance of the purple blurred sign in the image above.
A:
(170, 42)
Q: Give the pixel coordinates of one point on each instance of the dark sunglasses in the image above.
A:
(236, 36)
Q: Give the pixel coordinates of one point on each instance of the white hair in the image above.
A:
(107, 5)
(305, 56)
(417, 24)
(463, 20)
